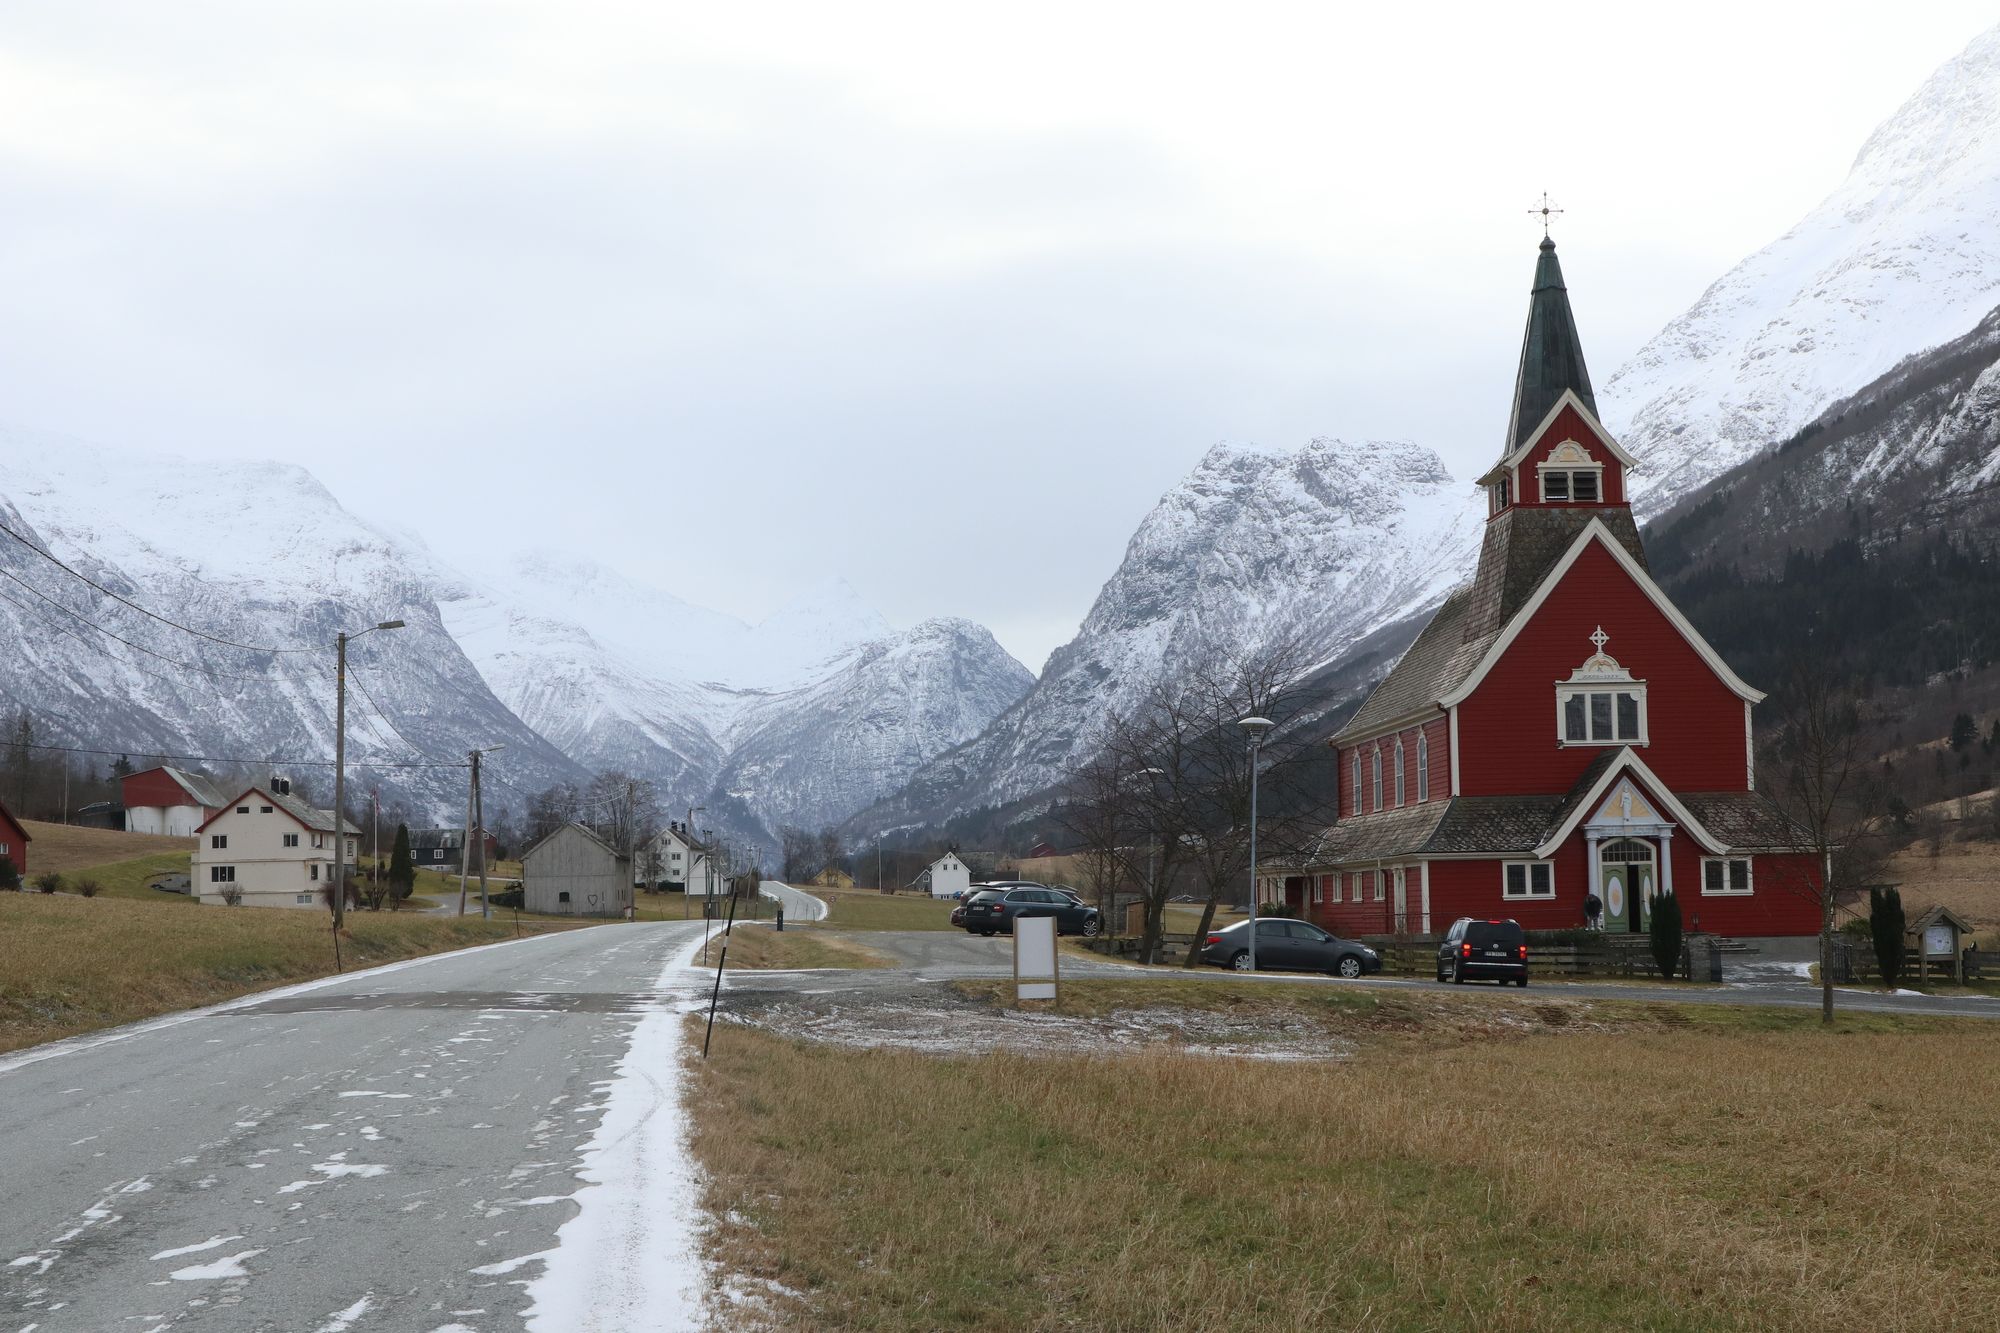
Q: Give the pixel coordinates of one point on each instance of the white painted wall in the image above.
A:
(269, 873)
(175, 821)
(949, 876)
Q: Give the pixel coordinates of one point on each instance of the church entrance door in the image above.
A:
(1626, 873)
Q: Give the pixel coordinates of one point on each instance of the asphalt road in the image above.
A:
(347, 1158)
(799, 905)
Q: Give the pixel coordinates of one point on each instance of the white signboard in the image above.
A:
(1937, 941)
(1035, 958)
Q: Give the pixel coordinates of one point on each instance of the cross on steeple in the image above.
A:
(1600, 638)
(1546, 211)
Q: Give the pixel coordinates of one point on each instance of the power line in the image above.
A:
(84, 620)
(144, 753)
(126, 601)
(361, 685)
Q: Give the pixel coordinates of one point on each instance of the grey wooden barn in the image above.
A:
(573, 872)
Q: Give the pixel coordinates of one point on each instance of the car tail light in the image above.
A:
(1465, 951)
(1212, 939)
(1524, 953)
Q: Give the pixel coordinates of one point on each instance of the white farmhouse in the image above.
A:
(949, 876)
(272, 847)
(573, 872)
(667, 859)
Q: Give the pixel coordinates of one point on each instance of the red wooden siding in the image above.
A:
(1569, 425)
(1439, 755)
(16, 838)
(1507, 728)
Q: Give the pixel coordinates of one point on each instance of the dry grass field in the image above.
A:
(69, 965)
(1646, 1168)
(798, 946)
(865, 909)
(1965, 877)
(63, 847)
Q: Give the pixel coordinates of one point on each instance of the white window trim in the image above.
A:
(1375, 778)
(1530, 896)
(1378, 891)
(1339, 881)
(1357, 782)
(1565, 691)
(1423, 767)
(1401, 785)
(1319, 888)
(1569, 470)
(1749, 875)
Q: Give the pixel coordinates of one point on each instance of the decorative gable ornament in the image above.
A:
(1600, 667)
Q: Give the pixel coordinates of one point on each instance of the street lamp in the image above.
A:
(1254, 728)
(340, 768)
(1152, 843)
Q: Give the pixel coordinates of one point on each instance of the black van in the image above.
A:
(1474, 949)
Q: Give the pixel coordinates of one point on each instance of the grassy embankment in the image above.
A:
(69, 964)
(1651, 1166)
(762, 947)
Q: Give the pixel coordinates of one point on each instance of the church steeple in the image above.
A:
(1551, 353)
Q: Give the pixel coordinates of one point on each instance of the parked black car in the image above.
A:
(1474, 949)
(994, 911)
(1293, 946)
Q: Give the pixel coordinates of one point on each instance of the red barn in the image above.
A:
(13, 840)
(169, 800)
(1559, 737)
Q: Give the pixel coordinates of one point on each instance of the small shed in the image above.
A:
(833, 877)
(573, 872)
(1937, 941)
(949, 876)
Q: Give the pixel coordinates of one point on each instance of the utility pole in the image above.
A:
(1254, 728)
(479, 826)
(340, 767)
(465, 848)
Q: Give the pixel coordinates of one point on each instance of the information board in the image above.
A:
(1035, 965)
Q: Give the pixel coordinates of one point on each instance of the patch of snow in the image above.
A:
(221, 1268)
(211, 1243)
(342, 1320)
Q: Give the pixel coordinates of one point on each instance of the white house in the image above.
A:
(666, 859)
(169, 800)
(949, 876)
(573, 872)
(274, 848)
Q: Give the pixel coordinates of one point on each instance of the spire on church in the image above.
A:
(1551, 353)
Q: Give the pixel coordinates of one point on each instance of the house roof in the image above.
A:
(316, 821)
(201, 791)
(1533, 825)
(440, 837)
(580, 828)
(8, 815)
(1437, 660)
(1551, 353)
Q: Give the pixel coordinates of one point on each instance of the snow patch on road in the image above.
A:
(342, 1320)
(213, 1242)
(630, 1258)
(221, 1268)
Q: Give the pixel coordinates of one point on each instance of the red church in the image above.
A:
(1559, 738)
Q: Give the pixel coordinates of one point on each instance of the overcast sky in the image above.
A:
(939, 297)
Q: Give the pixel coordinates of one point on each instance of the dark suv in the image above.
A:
(993, 911)
(1474, 949)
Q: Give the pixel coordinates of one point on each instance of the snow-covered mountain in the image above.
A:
(259, 554)
(1904, 256)
(804, 717)
(1323, 545)
(809, 715)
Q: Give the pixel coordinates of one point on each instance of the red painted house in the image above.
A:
(1559, 734)
(13, 840)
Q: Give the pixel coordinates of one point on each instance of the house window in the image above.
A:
(291, 840)
(1528, 879)
(1564, 486)
(305, 898)
(1423, 766)
(1376, 779)
(242, 809)
(1381, 878)
(222, 874)
(1356, 785)
(263, 809)
(1722, 876)
(315, 870)
(563, 897)
(218, 841)
(1399, 770)
(1601, 717)
(1337, 879)
(1500, 495)
(1319, 887)
(317, 842)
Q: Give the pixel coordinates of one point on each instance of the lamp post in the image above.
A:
(340, 768)
(1254, 728)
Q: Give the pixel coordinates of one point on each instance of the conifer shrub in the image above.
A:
(1665, 933)
(1886, 925)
